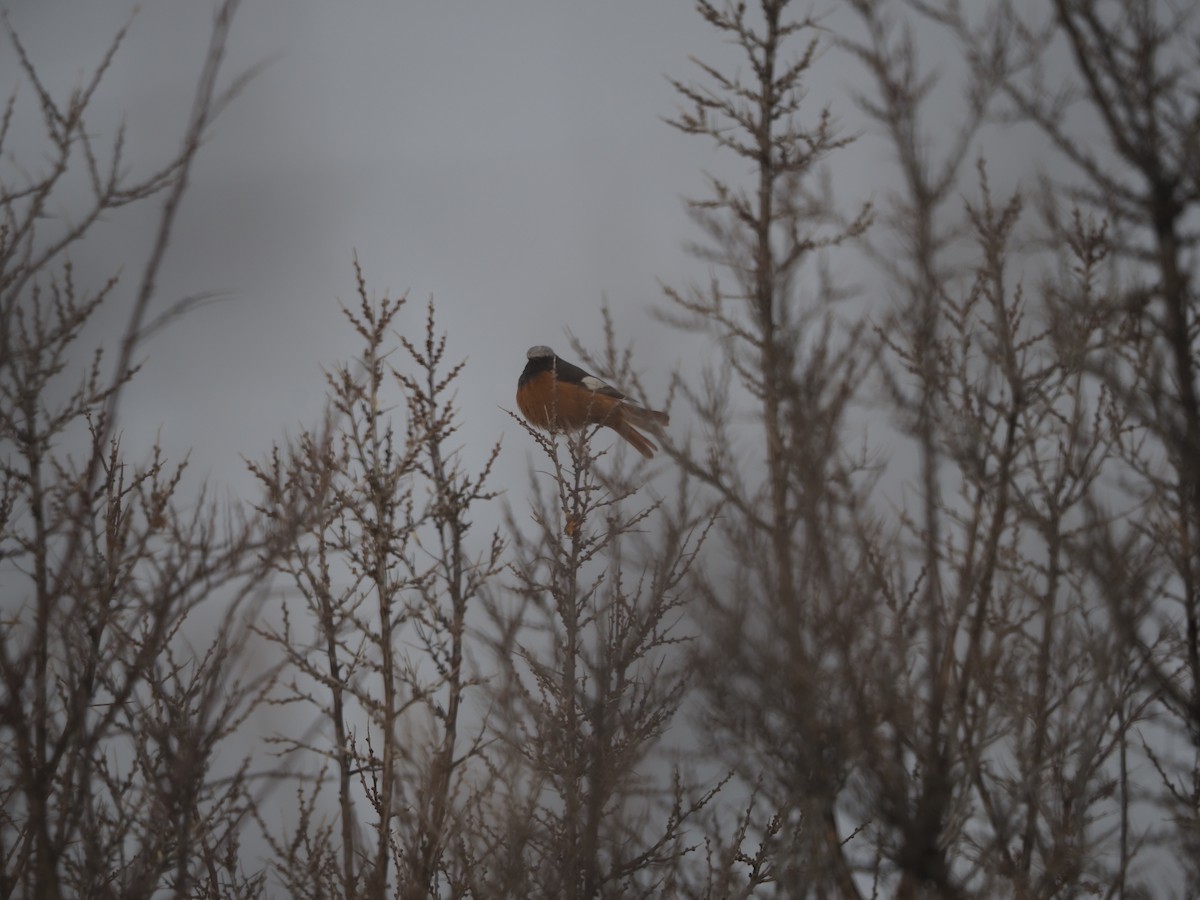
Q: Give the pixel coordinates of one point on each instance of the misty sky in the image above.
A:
(509, 160)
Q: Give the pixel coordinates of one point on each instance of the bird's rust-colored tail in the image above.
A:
(627, 418)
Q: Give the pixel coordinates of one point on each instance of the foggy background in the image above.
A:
(509, 160)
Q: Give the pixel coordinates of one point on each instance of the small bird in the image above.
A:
(556, 395)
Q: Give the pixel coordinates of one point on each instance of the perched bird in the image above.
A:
(555, 395)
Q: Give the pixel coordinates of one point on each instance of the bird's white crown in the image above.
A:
(539, 351)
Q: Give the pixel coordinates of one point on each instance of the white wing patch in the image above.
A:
(592, 383)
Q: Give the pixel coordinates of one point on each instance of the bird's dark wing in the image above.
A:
(570, 372)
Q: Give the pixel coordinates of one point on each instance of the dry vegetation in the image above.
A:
(958, 657)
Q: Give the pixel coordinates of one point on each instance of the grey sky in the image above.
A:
(508, 159)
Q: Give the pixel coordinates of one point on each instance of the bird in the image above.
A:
(556, 395)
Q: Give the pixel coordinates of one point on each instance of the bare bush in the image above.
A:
(777, 618)
(589, 680)
(115, 700)
(940, 695)
(386, 580)
(1118, 213)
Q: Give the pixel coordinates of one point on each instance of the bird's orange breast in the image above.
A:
(554, 405)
